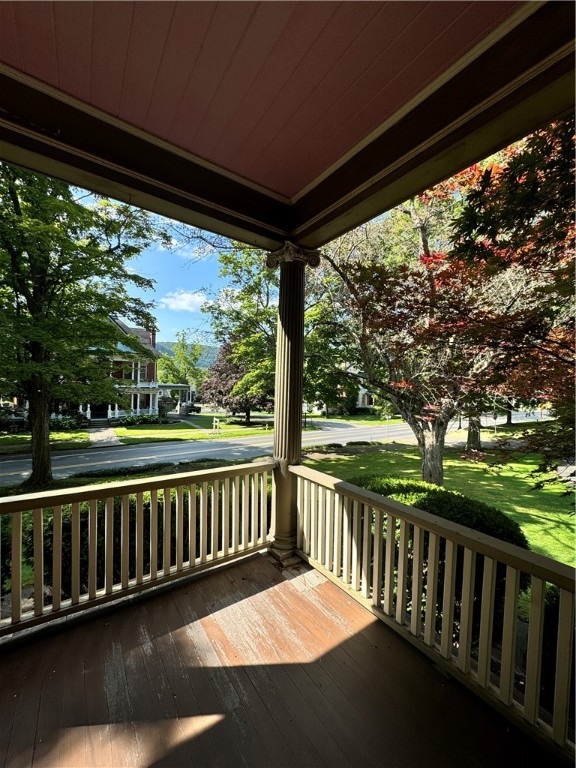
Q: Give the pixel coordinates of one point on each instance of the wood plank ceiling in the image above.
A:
(275, 120)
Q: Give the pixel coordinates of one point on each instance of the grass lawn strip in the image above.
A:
(60, 441)
(545, 515)
(201, 429)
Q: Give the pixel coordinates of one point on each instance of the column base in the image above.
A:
(286, 558)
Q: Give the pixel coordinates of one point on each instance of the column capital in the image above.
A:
(290, 252)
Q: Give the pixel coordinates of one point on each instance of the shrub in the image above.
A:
(64, 423)
(457, 508)
(449, 505)
(137, 421)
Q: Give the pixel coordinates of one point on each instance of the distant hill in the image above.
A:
(207, 357)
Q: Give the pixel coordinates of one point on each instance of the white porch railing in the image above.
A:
(67, 551)
(499, 617)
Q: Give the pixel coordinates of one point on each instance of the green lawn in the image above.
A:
(546, 515)
(200, 429)
(10, 444)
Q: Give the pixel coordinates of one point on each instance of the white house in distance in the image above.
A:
(136, 379)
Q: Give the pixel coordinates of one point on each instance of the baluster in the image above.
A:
(401, 593)
(377, 575)
(486, 621)
(214, 488)
(306, 525)
(356, 544)
(154, 534)
(236, 515)
(167, 532)
(338, 545)
(125, 541)
(321, 539)
(466, 611)
(329, 535)
(92, 547)
(179, 528)
(56, 558)
(417, 578)
(366, 517)
(390, 564)
(446, 638)
(16, 574)
(564, 653)
(193, 525)
(347, 540)
(75, 575)
(226, 517)
(203, 522)
(509, 635)
(139, 538)
(534, 650)
(263, 506)
(431, 590)
(313, 521)
(38, 518)
(109, 546)
(245, 511)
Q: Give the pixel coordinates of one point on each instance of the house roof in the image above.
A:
(144, 337)
(274, 121)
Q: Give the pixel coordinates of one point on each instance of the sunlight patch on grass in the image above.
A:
(21, 443)
(546, 515)
(151, 433)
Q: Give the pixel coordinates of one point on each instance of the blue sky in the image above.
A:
(182, 284)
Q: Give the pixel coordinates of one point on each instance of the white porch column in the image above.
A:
(115, 410)
(109, 411)
(288, 390)
(88, 411)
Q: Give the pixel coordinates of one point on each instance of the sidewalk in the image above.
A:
(102, 437)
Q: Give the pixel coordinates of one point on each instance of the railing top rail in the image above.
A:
(529, 562)
(42, 499)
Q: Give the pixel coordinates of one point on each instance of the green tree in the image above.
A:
(244, 316)
(521, 215)
(63, 276)
(435, 335)
(182, 366)
(227, 385)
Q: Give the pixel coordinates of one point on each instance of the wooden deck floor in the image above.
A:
(250, 666)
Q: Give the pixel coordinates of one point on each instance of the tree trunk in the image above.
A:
(432, 452)
(473, 442)
(509, 414)
(430, 436)
(39, 422)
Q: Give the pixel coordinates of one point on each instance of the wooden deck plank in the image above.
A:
(215, 699)
(248, 666)
(73, 739)
(35, 682)
(99, 752)
(193, 743)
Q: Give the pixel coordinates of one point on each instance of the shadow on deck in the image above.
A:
(247, 666)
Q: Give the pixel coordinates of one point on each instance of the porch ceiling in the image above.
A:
(275, 120)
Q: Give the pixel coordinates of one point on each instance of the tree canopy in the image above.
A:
(439, 315)
(182, 366)
(64, 275)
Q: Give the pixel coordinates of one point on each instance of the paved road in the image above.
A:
(64, 463)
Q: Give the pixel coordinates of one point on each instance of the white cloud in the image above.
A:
(183, 301)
